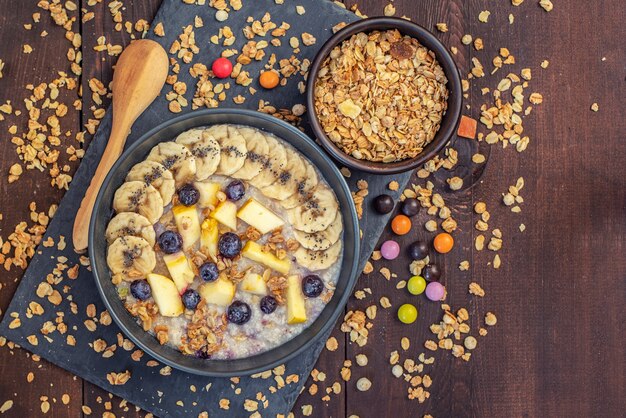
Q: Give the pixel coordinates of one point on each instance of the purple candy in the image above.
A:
(435, 291)
(390, 250)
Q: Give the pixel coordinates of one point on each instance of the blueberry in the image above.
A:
(383, 204)
(410, 207)
(431, 273)
(229, 245)
(208, 271)
(191, 298)
(202, 354)
(418, 250)
(268, 304)
(312, 286)
(239, 312)
(235, 190)
(140, 289)
(170, 242)
(188, 195)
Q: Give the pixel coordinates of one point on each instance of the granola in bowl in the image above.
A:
(225, 243)
(381, 96)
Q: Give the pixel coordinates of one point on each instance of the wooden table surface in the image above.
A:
(558, 346)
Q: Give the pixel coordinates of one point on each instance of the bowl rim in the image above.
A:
(455, 98)
(348, 212)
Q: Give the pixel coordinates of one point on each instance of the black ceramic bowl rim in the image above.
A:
(449, 121)
(267, 360)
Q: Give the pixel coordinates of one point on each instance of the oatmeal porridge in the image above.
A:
(225, 243)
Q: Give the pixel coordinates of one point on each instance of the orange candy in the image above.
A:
(443, 243)
(268, 79)
(401, 224)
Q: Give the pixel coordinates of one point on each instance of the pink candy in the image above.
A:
(435, 291)
(390, 250)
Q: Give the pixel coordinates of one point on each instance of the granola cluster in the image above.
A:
(381, 96)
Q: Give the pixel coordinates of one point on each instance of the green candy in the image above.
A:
(416, 285)
(407, 313)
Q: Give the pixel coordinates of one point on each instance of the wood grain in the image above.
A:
(558, 347)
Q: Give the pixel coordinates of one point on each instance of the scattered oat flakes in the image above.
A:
(442, 27)
(389, 10)
(484, 16)
(595, 107)
(363, 384)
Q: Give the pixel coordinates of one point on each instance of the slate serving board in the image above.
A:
(147, 388)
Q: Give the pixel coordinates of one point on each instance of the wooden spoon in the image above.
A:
(139, 76)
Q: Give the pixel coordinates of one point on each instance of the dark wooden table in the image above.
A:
(558, 347)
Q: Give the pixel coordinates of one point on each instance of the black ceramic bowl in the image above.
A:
(449, 121)
(103, 212)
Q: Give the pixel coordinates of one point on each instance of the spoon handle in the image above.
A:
(119, 133)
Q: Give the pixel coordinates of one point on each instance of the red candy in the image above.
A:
(222, 68)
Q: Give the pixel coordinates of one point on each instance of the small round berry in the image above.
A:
(188, 195)
(390, 250)
(235, 190)
(229, 245)
(435, 291)
(443, 243)
(312, 286)
(191, 298)
(140, 289)
(431, 273)
(268, 79)
(239, 312)
(170, 242)
(410, 207)
(222, 67)
(418, 250)
(208, 271)
(268, 304)
(401, 224)
(383, 204)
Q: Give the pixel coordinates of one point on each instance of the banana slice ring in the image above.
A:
(305, 188)
(175, 157)
(132, 257)
(317, 213)
(233, 152)
(277, 155)
(322, 240)
(205, 148)
(139, 197)
(318, 260)
(257, 156)
(289, 178)
(155, 174)
(130, 223)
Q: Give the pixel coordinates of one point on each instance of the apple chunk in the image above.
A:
(187, 223)
(226, 214)
(180, 270)
(254, 252)
(253, 283)
(255, 214)
(296, 309)
(209, 238)
(208, 193)
(165, 295)
(220, 292)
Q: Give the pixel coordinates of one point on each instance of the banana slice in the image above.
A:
(218, 132)
(155, 174)
(132, 257)
(175, 157)
(277, 162)
(318, 260)
(233, 152)
(289, 179)
(130, 223)
(322, 240)
(205, 148)
(257, 156)
(139, 197)
(317, 213)
(305, 188)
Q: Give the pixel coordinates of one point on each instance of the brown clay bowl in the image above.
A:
(449, 121)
